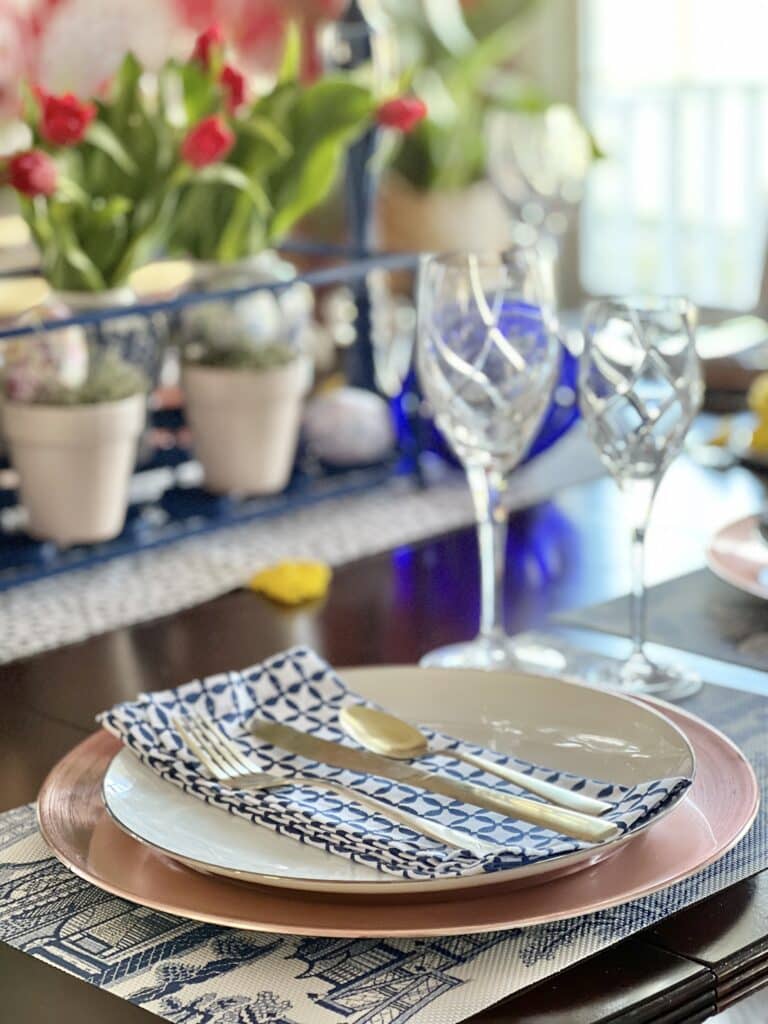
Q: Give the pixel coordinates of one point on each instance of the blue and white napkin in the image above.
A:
(298, 688)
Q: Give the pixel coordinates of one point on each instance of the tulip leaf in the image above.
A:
(104, 139)
(321, 123)
(226, 174)
(291, 59)
(262, 129)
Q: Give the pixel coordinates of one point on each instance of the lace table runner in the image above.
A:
(191, 973)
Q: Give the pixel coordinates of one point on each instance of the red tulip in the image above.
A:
(234, 86)
(32, 173)
(403, 113)
(212, 37)
(210, 140)
(65, 119)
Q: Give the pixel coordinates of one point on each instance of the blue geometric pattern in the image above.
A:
(298, 688)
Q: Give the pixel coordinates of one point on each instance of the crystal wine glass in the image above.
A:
(487, 356)
(538, 162)
(641, 386)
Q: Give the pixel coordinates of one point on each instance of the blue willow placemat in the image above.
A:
(191, 973)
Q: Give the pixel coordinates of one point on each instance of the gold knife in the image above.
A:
(559, 819)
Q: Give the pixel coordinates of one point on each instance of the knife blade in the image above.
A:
(337, 755)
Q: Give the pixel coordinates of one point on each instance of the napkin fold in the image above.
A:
(298, 688)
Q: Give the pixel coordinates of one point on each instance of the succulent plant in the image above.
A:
(108, 378)
(241, 356)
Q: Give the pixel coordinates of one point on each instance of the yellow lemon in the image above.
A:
(759, 442)
(292, 582)
(757, 396)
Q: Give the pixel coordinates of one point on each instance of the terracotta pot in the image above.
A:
(75, 465)
(245, 424)
(408, 220)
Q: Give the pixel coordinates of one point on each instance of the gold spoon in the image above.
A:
(385, 734)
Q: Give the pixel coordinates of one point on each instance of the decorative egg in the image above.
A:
(258, 319)
(349, 427)
(37, 364)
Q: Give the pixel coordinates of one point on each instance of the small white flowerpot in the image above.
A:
(245, 424)
(75, 465)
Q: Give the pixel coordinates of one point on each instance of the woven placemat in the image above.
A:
(696, 612)
(191, 973)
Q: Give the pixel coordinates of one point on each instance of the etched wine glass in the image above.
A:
(538, 161)
(487, 357)
(640, 387)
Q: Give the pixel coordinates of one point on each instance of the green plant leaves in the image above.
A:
(233, 177)
(291, 59)
(200, 91)
(124, 187)
(103, 138)
(320, 121)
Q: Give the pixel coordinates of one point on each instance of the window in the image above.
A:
(676, 92)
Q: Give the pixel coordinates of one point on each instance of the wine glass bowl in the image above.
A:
(485, 360)
(641, 384)
(538, 162)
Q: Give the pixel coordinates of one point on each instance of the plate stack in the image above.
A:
(116, 819)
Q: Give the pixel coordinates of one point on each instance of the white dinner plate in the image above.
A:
(551, 722)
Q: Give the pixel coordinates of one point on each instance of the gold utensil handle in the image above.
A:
(559, 819)
(548, 790)
(441, 834)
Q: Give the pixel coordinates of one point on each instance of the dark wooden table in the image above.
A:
(386, 609)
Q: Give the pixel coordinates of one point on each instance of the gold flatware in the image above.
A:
(559, 819)
(390, 736)
(227, 763)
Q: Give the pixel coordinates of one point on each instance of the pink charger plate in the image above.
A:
(715, 813)
(738, 554)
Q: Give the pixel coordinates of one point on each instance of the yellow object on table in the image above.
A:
(292, 582)
(757, 400)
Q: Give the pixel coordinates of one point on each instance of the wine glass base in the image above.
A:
(643, 678)
(497, 653)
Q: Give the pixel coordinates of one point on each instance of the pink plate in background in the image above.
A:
(716, 812)
(738, 554)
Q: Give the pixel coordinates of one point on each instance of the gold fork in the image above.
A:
(227, 763)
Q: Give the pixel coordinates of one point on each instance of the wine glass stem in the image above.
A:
(638, 613)
(641, 494)
(487, 486)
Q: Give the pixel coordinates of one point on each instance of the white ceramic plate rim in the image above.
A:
(376, 882)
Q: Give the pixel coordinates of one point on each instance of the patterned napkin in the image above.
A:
(299, 688)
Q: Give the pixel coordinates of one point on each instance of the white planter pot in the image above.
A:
(471, 218)
(75, 465)
(245, 424)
